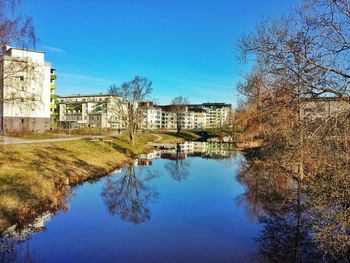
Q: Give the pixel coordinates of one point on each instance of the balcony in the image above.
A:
(53, 77)
(53, 96)
(53, 106)
(53, 86)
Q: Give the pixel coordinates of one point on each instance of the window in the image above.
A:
(21, 78)
(22, 121)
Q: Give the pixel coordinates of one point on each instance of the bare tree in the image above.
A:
(179, 105)
(15, 28)
(300, 58)
(17, 74)
(127, 105)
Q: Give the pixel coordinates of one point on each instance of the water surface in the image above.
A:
(177, 208)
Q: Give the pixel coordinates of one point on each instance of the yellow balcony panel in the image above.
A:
(53, 86)
(53, 106)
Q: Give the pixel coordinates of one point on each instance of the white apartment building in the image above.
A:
(172, 115)
(197, 116)
(79, 111)
(187, 120)
(25, 90)
(168, 120)
(96, 111)
(215, 114)
(152, 116)
(200, 118)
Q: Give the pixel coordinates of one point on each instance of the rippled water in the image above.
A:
(177, 208)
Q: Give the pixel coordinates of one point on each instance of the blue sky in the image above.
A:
(186, 47)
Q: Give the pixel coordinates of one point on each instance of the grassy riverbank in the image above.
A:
(36, 177)
(33, 176)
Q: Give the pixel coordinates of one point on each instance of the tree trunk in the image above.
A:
(132, 137)
(178, 123)
(301, 137)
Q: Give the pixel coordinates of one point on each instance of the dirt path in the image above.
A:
(5, 140)
(158, 137)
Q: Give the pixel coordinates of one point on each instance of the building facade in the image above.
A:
(215, 114)
(54, 102)
(25, 91)
(320, 108)
(95, 111)
(152, 116)
(173, 115)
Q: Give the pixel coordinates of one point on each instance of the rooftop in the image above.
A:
(6, 48)
(85, 96)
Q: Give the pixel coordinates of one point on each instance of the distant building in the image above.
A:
(200, 118)
(25, 91)
(79, 111)
(169, 119)
(152, 116)
(323, 107)
(172, 114)
(216, 113)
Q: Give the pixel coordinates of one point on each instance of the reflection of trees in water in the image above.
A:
(302, 221)
(227, 158)
(24, 230)
(178, 167)
(129, 195)
(25, 255)
(330, 212)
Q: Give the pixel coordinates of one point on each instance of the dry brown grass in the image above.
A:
(34, 177)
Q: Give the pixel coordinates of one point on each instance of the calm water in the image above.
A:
(169, 209)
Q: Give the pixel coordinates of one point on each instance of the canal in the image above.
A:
(200, 202)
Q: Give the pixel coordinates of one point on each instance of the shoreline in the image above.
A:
(34, 178)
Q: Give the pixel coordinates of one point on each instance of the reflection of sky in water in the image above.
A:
(192, 220)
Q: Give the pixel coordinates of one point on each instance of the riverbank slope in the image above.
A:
(36, 177)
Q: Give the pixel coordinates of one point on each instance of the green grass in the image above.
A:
(122, 143)
(34, 177)
(214, 134)
(167, 138)
(186, 135)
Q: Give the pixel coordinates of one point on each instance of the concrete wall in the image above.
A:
(18, 125)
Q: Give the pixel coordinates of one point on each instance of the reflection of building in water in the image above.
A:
(150, 156)
(13, 235)
(188, 149)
